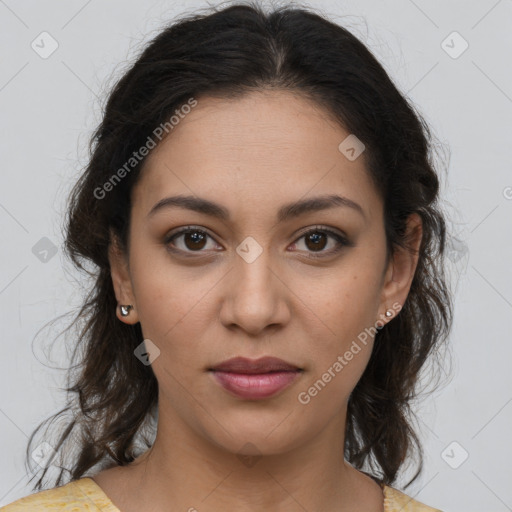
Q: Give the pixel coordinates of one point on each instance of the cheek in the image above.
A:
(177, 309)
(172, 303)
(348, 303)
(334, 377)
(348, 308)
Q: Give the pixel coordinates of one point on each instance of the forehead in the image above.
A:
(255, 153)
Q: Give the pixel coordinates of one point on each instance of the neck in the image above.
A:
(188, 471)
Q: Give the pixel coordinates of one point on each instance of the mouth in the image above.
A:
(255, 379)
(247, 366)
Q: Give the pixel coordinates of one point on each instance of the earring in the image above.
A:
(388, 314)
(125, 310)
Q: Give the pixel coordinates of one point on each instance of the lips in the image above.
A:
(257, 379)
(243, 365)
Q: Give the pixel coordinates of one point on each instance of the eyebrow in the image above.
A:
(286, 212)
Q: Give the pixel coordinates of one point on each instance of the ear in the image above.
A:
(121, 280)
(400, 271)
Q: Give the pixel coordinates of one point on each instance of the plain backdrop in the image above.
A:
(451, 58)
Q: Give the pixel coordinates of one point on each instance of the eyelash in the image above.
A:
(342, 241)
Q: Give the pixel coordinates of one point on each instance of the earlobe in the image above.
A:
(121, 282)
(401, 268)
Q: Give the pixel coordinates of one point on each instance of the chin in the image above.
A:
(261, 439)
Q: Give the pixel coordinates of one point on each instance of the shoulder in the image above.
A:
(79, 495)
(395, 500)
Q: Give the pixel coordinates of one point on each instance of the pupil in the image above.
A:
(316, 238)
(196, 237)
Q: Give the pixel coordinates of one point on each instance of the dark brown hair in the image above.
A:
(229, 52)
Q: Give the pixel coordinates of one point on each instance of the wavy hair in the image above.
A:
(229, 52)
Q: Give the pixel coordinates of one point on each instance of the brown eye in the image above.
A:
(188, 240)
(316, 240)
(194, 239)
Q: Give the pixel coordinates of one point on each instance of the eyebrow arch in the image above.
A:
(286, 212)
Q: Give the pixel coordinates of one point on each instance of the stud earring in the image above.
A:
(125, 310)
(388, 314)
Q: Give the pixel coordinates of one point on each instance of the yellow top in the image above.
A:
(85, 494)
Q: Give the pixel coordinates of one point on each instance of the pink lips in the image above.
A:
(255, 379)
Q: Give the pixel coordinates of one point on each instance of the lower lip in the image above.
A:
(255, 386)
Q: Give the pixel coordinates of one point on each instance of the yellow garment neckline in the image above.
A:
(394, 499)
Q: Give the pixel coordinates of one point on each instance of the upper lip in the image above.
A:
(262, 365)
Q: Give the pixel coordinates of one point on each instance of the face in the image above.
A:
(304, 285)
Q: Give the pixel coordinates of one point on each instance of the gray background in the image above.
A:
(50, 105)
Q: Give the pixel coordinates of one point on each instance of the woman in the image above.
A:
(261, 208)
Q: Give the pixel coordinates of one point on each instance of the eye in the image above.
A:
(192, 240)
(317, 239)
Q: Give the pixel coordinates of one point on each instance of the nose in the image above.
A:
(255, 299)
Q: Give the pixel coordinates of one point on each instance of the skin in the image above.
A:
(252, 155)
